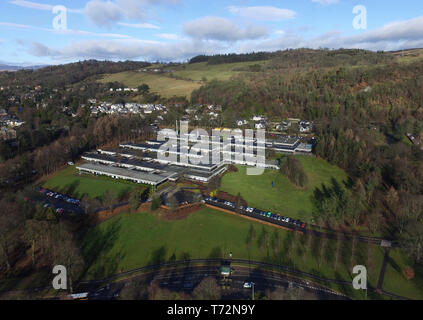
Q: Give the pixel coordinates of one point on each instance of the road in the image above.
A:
(188, 278)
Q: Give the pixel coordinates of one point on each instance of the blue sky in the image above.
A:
(175, 30)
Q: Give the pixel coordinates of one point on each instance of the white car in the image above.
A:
(248, 285)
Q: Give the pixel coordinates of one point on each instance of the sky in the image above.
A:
(62, 31)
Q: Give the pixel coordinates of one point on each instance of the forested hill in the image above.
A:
(67, 74)
(301, 56)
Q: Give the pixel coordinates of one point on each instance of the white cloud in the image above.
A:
(216, 28)
(64, 32)
(39, 6)
(129, 49)
(103, 13)
(392, 36)
(107, 13)
(264, 13)
(167, 36)
(325, 2)
(139, 25)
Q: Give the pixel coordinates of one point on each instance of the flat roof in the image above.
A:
(127, 173)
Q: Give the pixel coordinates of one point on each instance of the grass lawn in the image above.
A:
(164, 85)
(131, 241)
(395, 280)
(284, 198)
(69, 182)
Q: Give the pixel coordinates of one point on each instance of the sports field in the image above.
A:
(284, 198)
(71, 183)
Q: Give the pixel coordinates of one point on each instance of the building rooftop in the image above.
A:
(155, 178)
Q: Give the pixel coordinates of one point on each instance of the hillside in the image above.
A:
(180, 80)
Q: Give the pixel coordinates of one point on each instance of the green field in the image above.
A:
(69, 182)
(201, 70)
(187, 77)
(163, 85)
(284, 198)
(130, 241)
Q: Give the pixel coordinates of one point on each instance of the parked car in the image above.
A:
(248, 285)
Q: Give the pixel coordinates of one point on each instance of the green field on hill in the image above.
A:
(71, 183)
(130, 241)
(201, 70)
(284, 198)
(161, 84)
(188, 77)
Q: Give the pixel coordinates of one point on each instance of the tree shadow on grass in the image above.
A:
(216, 253)
(71, 188)
(158, 256)
(99, 259)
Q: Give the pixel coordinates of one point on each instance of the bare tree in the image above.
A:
(109, 199)
(208, 289)
(66, 253)
(10, 219)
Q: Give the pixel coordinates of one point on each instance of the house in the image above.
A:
(15, 122)
(305, 126)
(258, 118)
(283, 126)
(261, 125)
(241, 122)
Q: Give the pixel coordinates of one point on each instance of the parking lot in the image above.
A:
(61, 203)
(273, 218)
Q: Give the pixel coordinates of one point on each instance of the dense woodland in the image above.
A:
(64, 75)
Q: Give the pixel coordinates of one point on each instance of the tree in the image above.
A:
(173, 203)
(134, 291)
(412, 240)
(109, 200)
(157, 293)
(135, 199)
(156, 203)
(238, 203)
(32, 233)
(208, 289)
(66, 253)
(293, 169)
(10, 220)
(375, 221)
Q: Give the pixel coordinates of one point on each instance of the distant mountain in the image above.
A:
(6, 67)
